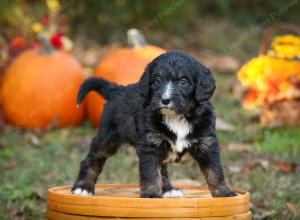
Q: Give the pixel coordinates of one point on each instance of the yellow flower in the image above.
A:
(286, 39)
(53, 5)
(255, 72)
(269, 79)
(285, 46)
(37, 27)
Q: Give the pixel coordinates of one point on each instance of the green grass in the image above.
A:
(279, 140)
(55, 162)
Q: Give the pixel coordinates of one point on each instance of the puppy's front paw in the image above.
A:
(82, 191)
(173, 193)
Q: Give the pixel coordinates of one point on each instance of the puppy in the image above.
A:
(165, 115)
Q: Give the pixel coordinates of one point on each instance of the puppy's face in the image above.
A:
(171, 90)
(174, 82)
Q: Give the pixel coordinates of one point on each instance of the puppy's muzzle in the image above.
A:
(166, 106)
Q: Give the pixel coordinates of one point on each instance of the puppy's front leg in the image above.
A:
(210, 164)
(150, 174)
(168, 190)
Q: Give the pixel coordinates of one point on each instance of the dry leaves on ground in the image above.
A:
(9, 166)
(238, 146)
(287, 167)
(220, 62)
(291, 207)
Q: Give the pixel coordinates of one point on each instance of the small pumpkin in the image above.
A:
(123, 66)
(40, 88)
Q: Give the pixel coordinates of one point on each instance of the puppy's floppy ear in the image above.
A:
(144, 82)
(205, 85)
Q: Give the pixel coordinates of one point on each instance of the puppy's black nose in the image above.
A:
(165, 101)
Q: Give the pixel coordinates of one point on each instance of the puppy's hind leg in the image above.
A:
(169, 191)
(100, 149)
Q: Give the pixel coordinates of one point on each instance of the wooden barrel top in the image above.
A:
(122, 200)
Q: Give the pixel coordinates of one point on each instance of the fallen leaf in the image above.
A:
(222, 125)
(252, 139)
(249, 162)
(9, 166)
(283, 113)
(2, 144)
(264, 163)
(234, 168)
(226, 63)
(251, 166)
(291, 207)
(33, 139)
(287, 167)
(238, 146)
(252, 163)
(220, 62)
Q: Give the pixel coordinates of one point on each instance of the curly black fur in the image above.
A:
(174, 89)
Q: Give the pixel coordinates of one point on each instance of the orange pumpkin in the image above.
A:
(40, 88)
(123, 66)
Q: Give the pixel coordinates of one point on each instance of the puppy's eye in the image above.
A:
(157, 80)
(183, 82)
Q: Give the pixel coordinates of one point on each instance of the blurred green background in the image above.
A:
(264, 162)
(108, 20)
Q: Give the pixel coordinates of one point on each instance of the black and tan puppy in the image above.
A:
(165, 115)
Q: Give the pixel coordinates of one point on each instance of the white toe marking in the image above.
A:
(77, 191)
(83, 192)
(174, 193)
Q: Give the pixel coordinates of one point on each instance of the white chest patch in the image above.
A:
(181, 127)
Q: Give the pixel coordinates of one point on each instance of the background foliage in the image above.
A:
(106, 20)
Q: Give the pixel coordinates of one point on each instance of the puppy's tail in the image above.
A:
(104, 87)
